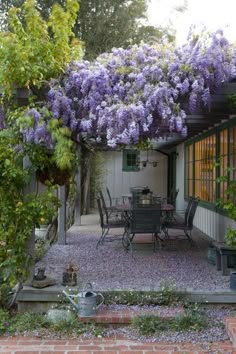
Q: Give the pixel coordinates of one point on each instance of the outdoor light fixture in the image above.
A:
(144, 163)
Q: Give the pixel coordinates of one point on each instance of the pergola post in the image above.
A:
(78, 198)
(62, 216)
(30, 188)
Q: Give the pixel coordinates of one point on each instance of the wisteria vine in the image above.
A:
(139, 92)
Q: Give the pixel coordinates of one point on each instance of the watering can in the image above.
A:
(86, 303)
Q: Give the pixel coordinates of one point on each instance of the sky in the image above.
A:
(214, 14)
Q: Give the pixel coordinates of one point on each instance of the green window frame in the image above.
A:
(131, 160)
(207, 157)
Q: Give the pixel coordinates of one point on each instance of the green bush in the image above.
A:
(165, 296)
(29, 321)
(148, 325)
(193, 319)
(189, 321)
(4, 321)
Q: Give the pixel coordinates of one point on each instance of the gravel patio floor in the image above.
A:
(110, 267)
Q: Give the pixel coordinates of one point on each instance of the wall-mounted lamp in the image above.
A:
(144, 163)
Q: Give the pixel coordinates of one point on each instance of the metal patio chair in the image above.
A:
(117, 201)
(113, 211)
(185, 225)
(143, 219)
(107, 223)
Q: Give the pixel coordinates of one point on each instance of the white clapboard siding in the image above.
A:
(119, 182)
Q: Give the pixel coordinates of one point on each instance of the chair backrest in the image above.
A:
(186, 214)
(192, 212)
(103, 203)
(103, 214)
(173, 196)
(145, 220)
(109, 196)
(100, 212)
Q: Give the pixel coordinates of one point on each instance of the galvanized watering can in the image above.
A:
(86, 304)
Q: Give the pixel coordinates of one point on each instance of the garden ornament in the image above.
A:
(86, 304)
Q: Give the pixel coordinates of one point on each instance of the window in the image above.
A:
(201, 170)
(131, 160)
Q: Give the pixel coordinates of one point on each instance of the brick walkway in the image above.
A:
(26, 345)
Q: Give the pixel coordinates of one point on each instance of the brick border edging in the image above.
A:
(230, 324)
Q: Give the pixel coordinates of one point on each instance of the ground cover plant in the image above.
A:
(165, 296)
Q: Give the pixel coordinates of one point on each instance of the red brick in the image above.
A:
(78, 352)
(165, 346)
(159, 352)
(116, 347)
(90, 347)
(107, 352)
(128, 352)
(141, 347)
(55, 342)
(31, 352)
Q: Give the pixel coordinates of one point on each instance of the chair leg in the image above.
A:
(126, 242)
(189, 237)
(165, 230)
(104, 233)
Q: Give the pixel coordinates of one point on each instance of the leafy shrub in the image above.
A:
(189, 321)
(148, 325)
(41, 247)
(165, 296)
(29, 321)
(193, 319)
(4, 321)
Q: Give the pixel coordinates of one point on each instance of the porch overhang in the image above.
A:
(203, 121)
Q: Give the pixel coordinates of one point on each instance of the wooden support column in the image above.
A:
(62, 216)
(78, 198)
(31, 188)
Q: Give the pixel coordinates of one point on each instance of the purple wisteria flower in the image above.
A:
(141, 91)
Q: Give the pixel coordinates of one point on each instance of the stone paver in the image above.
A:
(31, 345)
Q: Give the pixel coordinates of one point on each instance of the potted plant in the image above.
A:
(69, 277)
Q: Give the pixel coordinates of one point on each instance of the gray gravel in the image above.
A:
(215, 333)
(110, 267)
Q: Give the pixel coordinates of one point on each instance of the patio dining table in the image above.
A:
(127, 207)
(143, 219)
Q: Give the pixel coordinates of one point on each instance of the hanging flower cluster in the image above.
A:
(139, 92)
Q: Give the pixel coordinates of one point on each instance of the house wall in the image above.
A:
(120, 182)
(211, 223)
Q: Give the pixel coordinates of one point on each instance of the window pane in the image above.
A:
(205, 151)
(189, 171)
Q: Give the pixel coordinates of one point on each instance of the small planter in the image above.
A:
(233, 281)
(211, 255)
(69, 278)
(41, 232)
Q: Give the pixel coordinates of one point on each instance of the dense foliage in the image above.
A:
(229, 203)
(19, 212)
(103, 24)
(35, 50)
